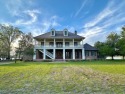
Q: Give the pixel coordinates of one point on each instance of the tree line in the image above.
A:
(8, 35)
(114, 45)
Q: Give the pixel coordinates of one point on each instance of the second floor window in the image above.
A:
(42, 43)
(51, 44)
(75, 43)
(59, 44)
(66, 43)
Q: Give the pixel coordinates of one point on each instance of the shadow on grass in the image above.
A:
(86, 62)
(14, 64)
(22, 63)
(98, 62)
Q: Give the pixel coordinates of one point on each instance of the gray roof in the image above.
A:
(59, 35)
(89, 47)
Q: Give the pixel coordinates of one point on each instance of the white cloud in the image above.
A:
(43, 26)
(36, 31)
(107, 12)
(32, 14)
(96, 37)
(14, 7)
(80, 9)
(71, 29)
(92, 31)
(97, 28)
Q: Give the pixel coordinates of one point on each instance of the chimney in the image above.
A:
(75, 32)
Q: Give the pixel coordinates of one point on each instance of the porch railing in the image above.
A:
(56, 46)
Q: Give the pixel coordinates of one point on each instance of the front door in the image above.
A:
(59, 54)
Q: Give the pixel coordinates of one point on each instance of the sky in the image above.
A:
(92, 19)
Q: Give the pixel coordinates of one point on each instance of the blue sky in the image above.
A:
(93, 19)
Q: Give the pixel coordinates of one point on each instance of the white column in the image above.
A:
(73, 53)
(82, 42)
(63, 42)
(35, 41)
(54, 53)
(44, 54)
(54, 43)
(44, 50)
(73, 50)
(34, 56)
(83, 54)
(63, 54)
(44, 42)
(73, 42)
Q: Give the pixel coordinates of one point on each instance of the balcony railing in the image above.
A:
(58, 46)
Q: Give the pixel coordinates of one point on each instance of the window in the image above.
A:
(65, 32)
(93, 53)
(53, 33)
(75, 43)
(66, 43)
(59, 44)
(42, 43)
(51, 44)
(86, 53)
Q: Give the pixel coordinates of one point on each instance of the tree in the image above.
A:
(121, 47)
(25, 48)
(3, 52)
(109, 47)
(99, 46)
(121, 43)
(111, 41)
(123, 32)
(8, 34)
(103, 49)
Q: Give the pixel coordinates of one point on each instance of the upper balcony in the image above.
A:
(58, 46)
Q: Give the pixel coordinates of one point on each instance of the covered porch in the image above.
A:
(56, 54)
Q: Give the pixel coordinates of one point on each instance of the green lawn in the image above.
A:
(85, 77)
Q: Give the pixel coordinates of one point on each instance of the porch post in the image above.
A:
(54, 53)
(44, 54)
(83, 54)
(63, 54)
(82, 42)
(54, 43)
(73, 53)
(63, 42)
(35, 41)
(44, 42)
(34, 56)
(73, 50)
(73, 42)
(44, 50)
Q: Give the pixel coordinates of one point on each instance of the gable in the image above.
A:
(89, 47)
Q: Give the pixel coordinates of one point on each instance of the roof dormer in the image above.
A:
(52, 32)
(65, 32)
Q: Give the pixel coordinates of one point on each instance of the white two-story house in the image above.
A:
(59, 45)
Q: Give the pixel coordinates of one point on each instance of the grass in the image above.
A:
(85, 77)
